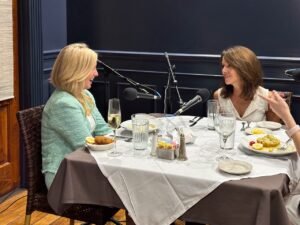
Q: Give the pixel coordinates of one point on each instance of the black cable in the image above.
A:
(12, 203)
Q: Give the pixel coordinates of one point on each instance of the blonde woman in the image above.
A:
(70, 115)
(242, 84)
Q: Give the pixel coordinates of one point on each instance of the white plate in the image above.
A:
(251, 129)
(95, 147)
(267, 151)
(269, 125)
(236, 167)
(128, 125)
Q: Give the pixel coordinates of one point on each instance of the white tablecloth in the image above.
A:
(150, 186)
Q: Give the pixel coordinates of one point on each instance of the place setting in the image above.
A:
(225, 125)
(267, 144)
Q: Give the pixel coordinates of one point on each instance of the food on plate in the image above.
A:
(251, 143)
(268, 143)
(103, 140)
(152, 126)
(90, 140)
(257, 131)
(99, 140)
(257, 146)
(269, 140)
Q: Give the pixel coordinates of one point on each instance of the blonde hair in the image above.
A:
(71, 68)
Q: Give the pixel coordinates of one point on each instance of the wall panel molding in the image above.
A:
(274, 67)
(193, 71)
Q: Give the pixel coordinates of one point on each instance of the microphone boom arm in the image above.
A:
(142, 87)
(171, 72)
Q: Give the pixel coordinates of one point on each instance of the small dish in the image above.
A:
(269, 125)
(257, 130)
(128, 125)
(235, 167)
(95, 147)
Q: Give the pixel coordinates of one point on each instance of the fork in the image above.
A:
(196, 121)
(243, 124)
(285, 145)
(192, 120)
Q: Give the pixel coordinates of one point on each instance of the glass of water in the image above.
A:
(140, 132)
(212, 107)
(226, 128)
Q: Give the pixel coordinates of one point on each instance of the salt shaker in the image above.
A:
(182, 150)
(154, 143)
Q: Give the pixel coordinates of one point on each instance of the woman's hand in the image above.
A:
(277, 104)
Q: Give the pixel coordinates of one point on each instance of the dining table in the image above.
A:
(158, 191)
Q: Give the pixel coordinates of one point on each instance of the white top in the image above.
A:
(92, 122)
(256, 110)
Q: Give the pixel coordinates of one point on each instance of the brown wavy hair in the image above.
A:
(247, 66)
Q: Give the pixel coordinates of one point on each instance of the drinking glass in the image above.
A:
(216, 118)
(212, 106)
(114, 120)
(226, 128)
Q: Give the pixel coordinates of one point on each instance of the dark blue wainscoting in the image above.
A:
(192, 72)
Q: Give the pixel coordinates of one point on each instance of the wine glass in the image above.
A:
(114, 120)
(226, 128)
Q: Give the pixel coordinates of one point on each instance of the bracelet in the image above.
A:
(293, 130)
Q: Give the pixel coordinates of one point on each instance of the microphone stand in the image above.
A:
(141, 87)
(171, 74)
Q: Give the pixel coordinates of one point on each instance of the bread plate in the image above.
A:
(128, 125)
(257, 130)
(269, 125)
(235, 167)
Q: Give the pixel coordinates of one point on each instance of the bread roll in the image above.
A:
(102, 140)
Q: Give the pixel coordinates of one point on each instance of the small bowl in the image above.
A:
(95, 147)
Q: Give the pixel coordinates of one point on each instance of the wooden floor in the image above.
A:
(12, 212)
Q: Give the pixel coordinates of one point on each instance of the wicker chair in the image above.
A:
(30, 126)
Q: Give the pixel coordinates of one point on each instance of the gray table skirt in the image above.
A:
(253, 201)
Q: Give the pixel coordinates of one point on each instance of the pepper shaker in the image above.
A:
(154, 143)
(182, 151)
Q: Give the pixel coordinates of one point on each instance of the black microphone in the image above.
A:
(131, 94)
(294, 73)
(189, 104)
(203, 95)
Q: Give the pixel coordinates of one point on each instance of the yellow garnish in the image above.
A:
(257, 146)
(257, 131)
(164, 145)
(90, 140)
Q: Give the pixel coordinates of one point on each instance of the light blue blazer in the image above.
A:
(65, 127)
